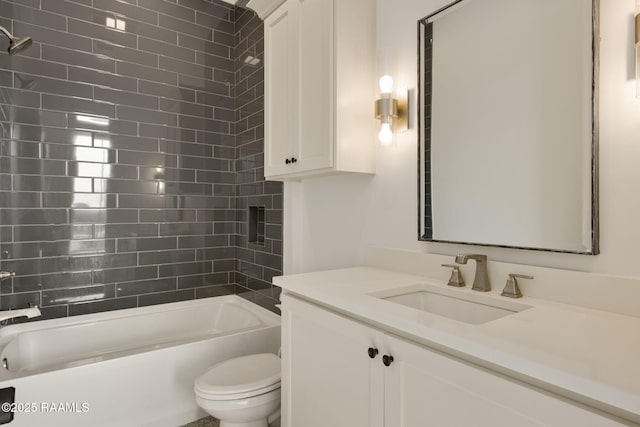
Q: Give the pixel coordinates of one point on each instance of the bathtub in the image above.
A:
(131, 367)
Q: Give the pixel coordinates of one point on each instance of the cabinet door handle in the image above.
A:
(386, 359)
(287, 161)
(373, 352)
(293, 160)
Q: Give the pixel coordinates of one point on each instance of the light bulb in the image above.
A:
(385, 136)
(386, 84)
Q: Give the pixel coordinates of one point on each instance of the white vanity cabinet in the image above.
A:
(328, 379)
(320, 88)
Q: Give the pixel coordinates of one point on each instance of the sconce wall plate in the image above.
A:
(401, 123)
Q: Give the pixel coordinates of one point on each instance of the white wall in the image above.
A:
(337, 218)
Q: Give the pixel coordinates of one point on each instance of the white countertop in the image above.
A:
(588, 355)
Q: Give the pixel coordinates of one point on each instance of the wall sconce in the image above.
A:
(392, 106)
(391, 112)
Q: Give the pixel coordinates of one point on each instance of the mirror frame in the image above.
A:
(424, 139)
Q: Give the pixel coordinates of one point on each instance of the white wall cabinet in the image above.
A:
(328, 378)
(320, 88)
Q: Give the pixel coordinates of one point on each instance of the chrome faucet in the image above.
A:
(481, 279)
(28, 312)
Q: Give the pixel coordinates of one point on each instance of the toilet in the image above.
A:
(241, 392)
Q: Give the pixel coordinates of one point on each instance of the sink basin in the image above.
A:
(468, 308)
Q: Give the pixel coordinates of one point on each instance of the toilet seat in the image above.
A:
(240, 378)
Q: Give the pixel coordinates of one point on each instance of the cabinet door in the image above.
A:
(426, 388)
(328, 378)
(315, 143)
(281, 88)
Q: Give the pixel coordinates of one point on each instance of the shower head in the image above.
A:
(16, 44)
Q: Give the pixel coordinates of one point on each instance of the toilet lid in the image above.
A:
(240, 377)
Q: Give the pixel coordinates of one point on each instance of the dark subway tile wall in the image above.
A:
(128, 159)
(255, 263)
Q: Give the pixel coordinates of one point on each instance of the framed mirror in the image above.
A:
(508, 135)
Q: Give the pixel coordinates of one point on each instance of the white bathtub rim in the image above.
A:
(266, 319)
(109, 354)
(264, 315)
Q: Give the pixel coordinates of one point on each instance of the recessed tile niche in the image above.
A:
(256, 225)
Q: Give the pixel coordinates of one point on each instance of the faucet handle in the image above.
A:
(511, 288)
(456, 278)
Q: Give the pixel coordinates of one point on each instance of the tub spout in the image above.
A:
(28, 312)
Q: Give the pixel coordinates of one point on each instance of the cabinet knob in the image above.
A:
(373, 352)
(387, 360)
(293, 160)
(287, 161)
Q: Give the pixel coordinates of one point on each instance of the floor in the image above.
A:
(204, 422)
(212, 422)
